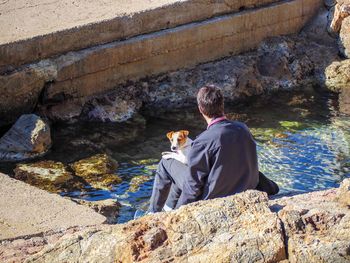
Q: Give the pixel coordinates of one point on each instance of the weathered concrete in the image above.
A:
(26, 211)
(44, 28)
(81, 74)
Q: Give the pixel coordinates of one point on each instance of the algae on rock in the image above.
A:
(98, 171)
(137, 181)
(47, 175)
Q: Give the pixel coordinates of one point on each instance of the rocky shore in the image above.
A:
(247, 227)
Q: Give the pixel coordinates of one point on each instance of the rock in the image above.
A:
(273, 58)
(108, 208)
(137, 181)
(343, 193)
(344, 101)
(318, 28)
(245, 227)
(280, 63)
(98, 171)
(65, 111)
(338, 75)
(239, 228)
(317, 228)
(47, 175)
(329, 3)
(94, 165)
(21, 89)
(111, 108)
(28, 138)
(344, 37)
(336, 17)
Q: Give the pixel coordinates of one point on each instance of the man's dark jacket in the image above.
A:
(222, 161)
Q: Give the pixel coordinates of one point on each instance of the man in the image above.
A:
(222, 161)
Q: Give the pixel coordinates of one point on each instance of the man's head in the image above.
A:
(210, 101)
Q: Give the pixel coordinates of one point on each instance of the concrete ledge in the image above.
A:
(77, 75)
(95, 70)
(26, 210)
(41, 29)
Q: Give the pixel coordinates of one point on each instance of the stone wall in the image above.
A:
(78, 75)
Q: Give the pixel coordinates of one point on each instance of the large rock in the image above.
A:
(338, 75)
(317, 226)
(112, 107)
(343, 194)
(336, 17)
(238, 228)
(246, 227)
(344, 37)
(28, 138)
(98, 171)
(47, 175)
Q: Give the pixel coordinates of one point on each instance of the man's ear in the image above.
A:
(170, 135)
(185, 132)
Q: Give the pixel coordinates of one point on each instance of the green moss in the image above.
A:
(294, 125)
(136, 182)
(47, 175)
(103, 181)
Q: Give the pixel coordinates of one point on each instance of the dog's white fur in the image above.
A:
(180, 146)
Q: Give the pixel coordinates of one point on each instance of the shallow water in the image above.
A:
(303, 145)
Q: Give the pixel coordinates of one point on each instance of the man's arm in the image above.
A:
(199, 167)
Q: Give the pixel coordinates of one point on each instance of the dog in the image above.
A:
(180, 146)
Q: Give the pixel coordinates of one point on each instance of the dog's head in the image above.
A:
(178, 139)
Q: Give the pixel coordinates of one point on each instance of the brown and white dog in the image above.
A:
(180, 146)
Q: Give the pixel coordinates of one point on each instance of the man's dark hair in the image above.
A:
(211, 101)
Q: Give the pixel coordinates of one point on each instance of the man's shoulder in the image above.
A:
(215, 132)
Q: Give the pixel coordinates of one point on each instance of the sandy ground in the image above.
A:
(27, 210)
(23, 19)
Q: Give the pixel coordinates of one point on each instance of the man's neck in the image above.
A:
(207, 119)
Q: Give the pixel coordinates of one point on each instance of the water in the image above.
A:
(303, 145)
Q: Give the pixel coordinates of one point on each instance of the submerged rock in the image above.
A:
(137, 181)
(47, 175)
(98, 171)
(28, 138)
(108, 208)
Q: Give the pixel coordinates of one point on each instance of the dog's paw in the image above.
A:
(165, 153)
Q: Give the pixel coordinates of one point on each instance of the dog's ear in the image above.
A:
(185, 132)
(170, 135)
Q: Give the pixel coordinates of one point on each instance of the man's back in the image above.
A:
(222, 162)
